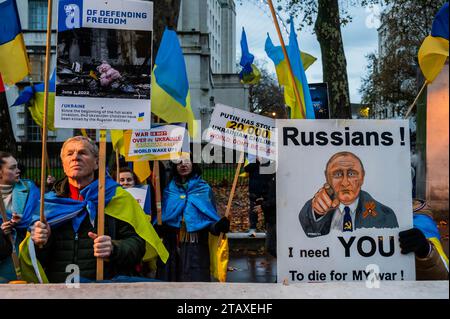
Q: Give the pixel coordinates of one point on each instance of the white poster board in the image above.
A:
(243, 131)
(311, 247)
(139, 193)
(161, 142)
(103, 64)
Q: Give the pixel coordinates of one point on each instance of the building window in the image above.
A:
(37, 62)
(37, 10)
(33, 131)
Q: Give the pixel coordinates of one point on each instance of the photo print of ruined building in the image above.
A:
(104, 63)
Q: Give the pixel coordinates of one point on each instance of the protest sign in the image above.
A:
(139, 193)
(364, 169)
(162, 142)
(103, 64)
(243, 131)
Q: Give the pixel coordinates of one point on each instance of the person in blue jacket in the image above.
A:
(189, 214)
(21, 200)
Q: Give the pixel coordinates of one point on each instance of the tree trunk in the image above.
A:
(6, 130)
(166, 14)
(328, 31)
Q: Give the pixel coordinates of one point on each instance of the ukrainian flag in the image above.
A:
(428, 227)
(434, 50)
(14, 64)
(300, 61)
(171, 99)
(250, 74)
(34, 95)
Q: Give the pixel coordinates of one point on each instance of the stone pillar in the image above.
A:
(437, 174)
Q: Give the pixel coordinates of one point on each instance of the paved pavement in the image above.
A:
(248, 262)
(221, 291)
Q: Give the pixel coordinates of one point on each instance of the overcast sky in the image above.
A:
(359, 40)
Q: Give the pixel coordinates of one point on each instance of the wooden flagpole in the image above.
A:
(101, 197)
(233, 190)
(416, 99)
(46, 156)
(286, 56)
(157, 186)
(44, 118)
(14, 256)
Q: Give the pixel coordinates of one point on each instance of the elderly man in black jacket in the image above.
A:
(75, 241)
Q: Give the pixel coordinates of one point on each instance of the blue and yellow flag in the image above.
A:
(14, 64)
(250, 74)
(34, 95)
(428, 227)
(434, 50)
(300, 62)
(171, 99)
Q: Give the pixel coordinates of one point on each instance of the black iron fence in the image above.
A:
(29, 158)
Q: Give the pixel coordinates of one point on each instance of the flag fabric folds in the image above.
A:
(171, 99)
(428, 227)
(250, 74)
(300, 79)
(14, 64)
(434, 50)
(118, 141)
(34, 95)
(300, 61)
(142, 170)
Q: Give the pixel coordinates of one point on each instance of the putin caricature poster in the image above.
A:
(343, 196)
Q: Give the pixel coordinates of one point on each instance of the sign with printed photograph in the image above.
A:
(243, 131)
(103, 64)
(343, 196)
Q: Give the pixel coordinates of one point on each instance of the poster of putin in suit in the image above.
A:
(341, 203)
(343, 195)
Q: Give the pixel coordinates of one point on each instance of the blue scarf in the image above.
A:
(58, 210)
(194, 203)
(25, 202)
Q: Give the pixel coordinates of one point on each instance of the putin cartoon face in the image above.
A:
(345, 174)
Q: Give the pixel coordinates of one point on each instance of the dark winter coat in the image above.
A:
(66, 247)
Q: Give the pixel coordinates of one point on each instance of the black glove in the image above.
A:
(222, 226)
(413, 240)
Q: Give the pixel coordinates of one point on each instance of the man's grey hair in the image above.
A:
(86, 140)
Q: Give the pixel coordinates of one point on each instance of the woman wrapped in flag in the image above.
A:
(20, 199)
(189, 214)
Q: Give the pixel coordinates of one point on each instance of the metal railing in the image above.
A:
(29, 159)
